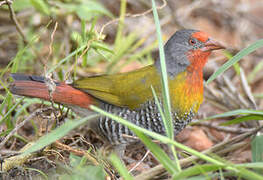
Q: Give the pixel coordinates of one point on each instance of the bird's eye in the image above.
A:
(192, 41)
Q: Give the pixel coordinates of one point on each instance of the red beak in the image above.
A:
(211, 45)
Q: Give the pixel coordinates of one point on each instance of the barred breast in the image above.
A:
(147, 117)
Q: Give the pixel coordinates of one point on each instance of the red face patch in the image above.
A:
(200, 36)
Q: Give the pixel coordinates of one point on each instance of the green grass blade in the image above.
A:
(236, 112)
(157, 136)
(206, 168)
(177, 164)
(257, 149)
(158, 103)
(255, 71)
(160, 155)
(197, 170)
(242, 119)
(165, 88)
(39, 171)
(246, 173)
(236, 58)
(255, 165)
(119, 165)
(10, 110)
(119, 34)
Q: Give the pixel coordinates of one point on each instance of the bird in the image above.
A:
(129, 95)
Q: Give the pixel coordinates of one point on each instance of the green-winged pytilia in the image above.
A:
(129, 95)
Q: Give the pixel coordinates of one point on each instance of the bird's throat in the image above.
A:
(188, 87)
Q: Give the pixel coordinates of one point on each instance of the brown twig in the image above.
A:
(2, 3)
(247, 89)
(138, 163)
(14, 19)
(50, 45)
(78, 152)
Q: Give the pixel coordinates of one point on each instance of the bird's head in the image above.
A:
(188, 50)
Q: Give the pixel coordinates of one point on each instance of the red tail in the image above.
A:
(36, 86)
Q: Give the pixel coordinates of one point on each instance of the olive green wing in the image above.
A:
(130, 89)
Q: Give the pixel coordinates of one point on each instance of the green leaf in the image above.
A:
(165, 88)
(236, 58)
(41, 6)
(57, 134)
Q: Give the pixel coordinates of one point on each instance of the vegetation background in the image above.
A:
(70, 39)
